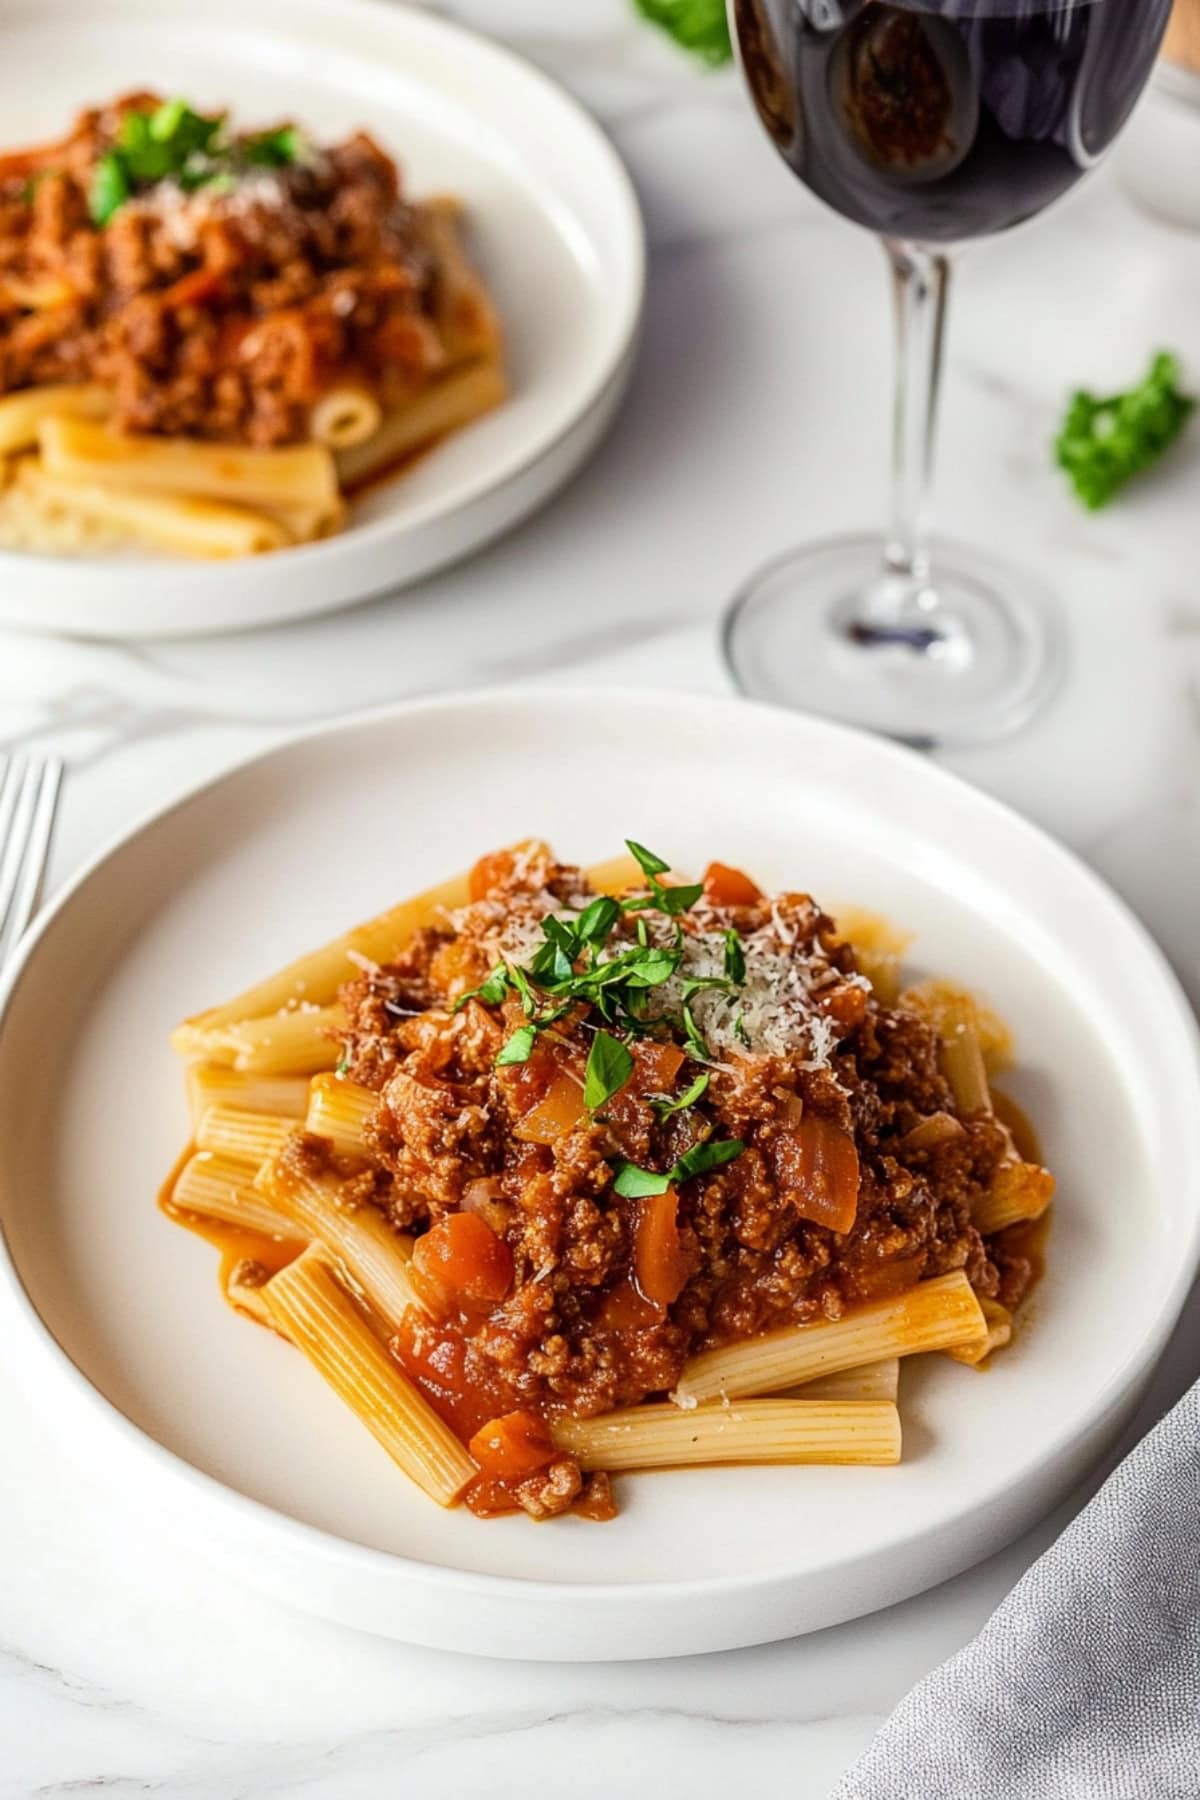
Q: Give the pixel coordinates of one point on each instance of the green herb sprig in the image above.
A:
(635, 1183)
(192, 148)
(696, 25)
(1103, 443)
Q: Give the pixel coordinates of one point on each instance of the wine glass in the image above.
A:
(930, 122)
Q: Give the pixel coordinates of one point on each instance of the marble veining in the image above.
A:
(758, 415)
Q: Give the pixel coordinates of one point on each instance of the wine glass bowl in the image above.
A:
(930, 123)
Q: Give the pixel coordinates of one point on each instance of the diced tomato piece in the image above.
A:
(816, 1165)
(460, 1262)
(659, 1264)
(724, 886)
(846, 1006)
(516, 1444)
(559, 1110)
(496, 869)
(656, 1066)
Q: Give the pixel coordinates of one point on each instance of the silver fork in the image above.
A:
(29, 787)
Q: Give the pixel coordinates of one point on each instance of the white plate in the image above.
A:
(553, 219)
(116, 1313)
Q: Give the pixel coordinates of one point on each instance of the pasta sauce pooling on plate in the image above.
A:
(632, 1142)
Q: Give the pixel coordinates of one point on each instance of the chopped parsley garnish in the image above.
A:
(519, 1047)
(735, 958)
(670, 900)
(665, 1106)
(576, 965)
(634, 1183)
(609, 1066)
(1104, 442)
(491, 991)
(696, 25)
(190, 148)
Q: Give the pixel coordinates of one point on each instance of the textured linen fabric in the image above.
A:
(1085, 1683)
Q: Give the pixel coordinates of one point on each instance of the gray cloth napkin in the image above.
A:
(1085, 1683)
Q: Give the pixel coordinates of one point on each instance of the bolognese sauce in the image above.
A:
(222, 292)
(624, 1130)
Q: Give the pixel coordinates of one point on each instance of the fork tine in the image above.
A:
(10, 781)
(41, 828)
(22, 794)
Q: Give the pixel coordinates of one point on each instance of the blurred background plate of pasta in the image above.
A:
(218, 1428)
(522, 215)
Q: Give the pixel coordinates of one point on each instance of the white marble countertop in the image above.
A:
(758, 416)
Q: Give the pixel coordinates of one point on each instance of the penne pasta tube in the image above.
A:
(753, 1431)
(946, 1007)
(338, 1110)
(248, 1137)
(444, 406)
(315, 978)
(934, 1315)
(22, 413)
(1019, 1191)
(879, 948)
(961, 1057)
(345, 416)
(282, 1043)
(180, 522)
(221, 1187)
(999, 1333)
(211, 1084)
(873, 1381)
(375, 1257)
(467, 321)
(305, 522)
(615, 875)
(308, 1303)
(242, 1284)
(88, 452)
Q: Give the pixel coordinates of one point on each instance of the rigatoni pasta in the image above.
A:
(554, 1175)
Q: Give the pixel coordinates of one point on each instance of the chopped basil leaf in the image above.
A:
(554, 963)
(647, 862)
(635, 1183)
(343, 1063)
(109, 189)
(675, 900)
(597, 920)
(703, 1157)
(519, 1047)
(609, 1066)
(651, 967)
(491, 991)
(694, 1044)
(740, 1032)
(735, 958)
(521, 982)
(273, 149)
(699, 983)
(665, 1107)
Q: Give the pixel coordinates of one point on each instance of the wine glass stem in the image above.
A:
(900, 607)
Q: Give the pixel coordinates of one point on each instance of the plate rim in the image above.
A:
(312, 559)
(16, 1303)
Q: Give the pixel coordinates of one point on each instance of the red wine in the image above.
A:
(938, 120)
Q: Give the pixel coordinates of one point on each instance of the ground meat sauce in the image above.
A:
(221, 313)
(567, 1298)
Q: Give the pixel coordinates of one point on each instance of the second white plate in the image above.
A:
(552, 217)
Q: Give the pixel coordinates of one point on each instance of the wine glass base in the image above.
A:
(971, 663)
